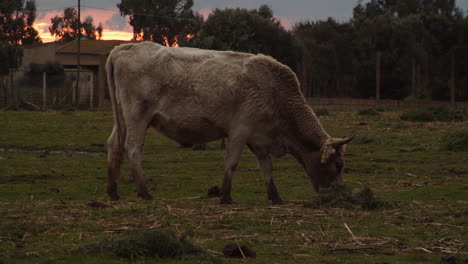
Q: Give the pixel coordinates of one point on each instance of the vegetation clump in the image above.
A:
(321, 112)
(341, 196)
(432, 114)
(456, 141)
(147, 243)
(368, 112)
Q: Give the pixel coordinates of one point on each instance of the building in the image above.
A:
(92, 91)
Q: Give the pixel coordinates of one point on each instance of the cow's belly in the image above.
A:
(191, 130)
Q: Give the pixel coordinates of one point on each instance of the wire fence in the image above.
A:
(43, 91)
(25, 90)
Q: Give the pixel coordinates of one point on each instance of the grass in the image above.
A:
(322, 112)
(368, 112)
(53, 204)
(456, 141)
(435, 114)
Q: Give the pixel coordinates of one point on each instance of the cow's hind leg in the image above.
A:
(264, 161)
(134, 142)
(114, 159)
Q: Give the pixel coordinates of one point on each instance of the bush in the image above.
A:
(456, 141)
(368, 112)
(321, 112)
(435, 114)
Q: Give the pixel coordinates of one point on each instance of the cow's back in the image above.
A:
(192, 94)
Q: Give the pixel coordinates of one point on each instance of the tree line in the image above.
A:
(419, 47)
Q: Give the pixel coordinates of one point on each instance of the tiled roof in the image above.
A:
(91, 47)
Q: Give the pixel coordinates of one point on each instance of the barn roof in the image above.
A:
(90, 47)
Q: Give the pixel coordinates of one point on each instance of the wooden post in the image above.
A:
(413, 78)
(102, 80)
(12, 88)
(377, 76)
(74, 89)
(91, 91)
(452, 79)
(44, 90)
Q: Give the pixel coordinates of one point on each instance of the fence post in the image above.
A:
(44, 90)
(452, 79)
(91, 92)
(13, 95)
(377, 76)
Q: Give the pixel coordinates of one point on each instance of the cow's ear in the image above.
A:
(327, 149)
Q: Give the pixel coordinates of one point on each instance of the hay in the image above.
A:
(341, 196)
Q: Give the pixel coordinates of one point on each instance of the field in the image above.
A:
(53, 205)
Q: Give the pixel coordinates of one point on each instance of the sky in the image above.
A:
(116, 27)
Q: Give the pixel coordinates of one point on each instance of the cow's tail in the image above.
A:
(116, 109)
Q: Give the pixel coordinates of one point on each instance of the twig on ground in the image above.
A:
(240, 249)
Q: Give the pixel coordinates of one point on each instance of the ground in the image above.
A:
(53, 201)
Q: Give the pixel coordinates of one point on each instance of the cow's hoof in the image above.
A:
(114, 197)
(225, 201)
(277, 201)
(145, 196)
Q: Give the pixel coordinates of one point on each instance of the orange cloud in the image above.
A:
(99, 16)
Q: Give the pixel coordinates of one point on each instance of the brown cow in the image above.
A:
(194, 96)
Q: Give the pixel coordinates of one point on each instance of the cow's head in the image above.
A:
(325, 167)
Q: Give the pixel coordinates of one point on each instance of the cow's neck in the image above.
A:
(304, 124)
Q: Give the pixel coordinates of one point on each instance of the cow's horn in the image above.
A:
(340, 142)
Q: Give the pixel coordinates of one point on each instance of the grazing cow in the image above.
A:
(193, 96)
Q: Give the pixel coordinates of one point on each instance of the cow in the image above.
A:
(194, 96)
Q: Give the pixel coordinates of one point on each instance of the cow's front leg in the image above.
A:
(265, 164)
(232, 156)
(264, 161)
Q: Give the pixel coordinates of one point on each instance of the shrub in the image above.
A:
(321, 112)
(368, 112)
(435, 114)
(456, 141)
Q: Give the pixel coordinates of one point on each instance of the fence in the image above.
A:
(350, 104)
(49, 91)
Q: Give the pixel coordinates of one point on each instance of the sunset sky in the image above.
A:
(116, 27)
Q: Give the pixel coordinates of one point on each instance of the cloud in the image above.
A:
(205, 12)
(118, 22)
(115, 26)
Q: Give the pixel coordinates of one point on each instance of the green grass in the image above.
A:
(47, 213)
(435, 114)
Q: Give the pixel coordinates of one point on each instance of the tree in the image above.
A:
(254, 31)
(162, 21)
(16, 22)
(64, 27)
